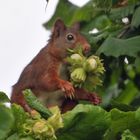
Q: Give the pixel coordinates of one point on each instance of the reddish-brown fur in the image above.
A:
(42, 74)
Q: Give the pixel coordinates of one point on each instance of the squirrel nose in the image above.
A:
(86, 48)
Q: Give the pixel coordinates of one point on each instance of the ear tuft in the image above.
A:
(58, 27)
(76, 26)
(59, 23)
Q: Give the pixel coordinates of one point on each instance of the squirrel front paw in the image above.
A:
(94, 98)
(67, 87)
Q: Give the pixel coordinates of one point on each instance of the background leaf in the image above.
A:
(128, 94)
(127, 134)
(120, 121)
(66, 6)
(118, 47)
(121, 12)
(83, 122)
(15, 136)
(136, 20)
(6, 121)
(3, 97)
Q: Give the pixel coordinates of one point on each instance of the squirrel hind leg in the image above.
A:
(82, 94)
(68, 105)
(18, 98)
(94, 98)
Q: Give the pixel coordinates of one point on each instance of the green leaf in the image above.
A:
(128, 94)
(15, 136)
(103, 5)
(102, 22)
(137, 64)
(84, 122)
(66, 14)
(121, 12)
(121, 121)
(84, 13)
(128, 135)
(20, 116)
(118, 47)
(121, 106)
(136, 18)
(71, 13)
(6, 121)
(3, 97)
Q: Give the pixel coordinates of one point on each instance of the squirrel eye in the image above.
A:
(70, 37)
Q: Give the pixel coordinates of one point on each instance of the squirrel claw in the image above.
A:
(72, 96)
(68, 89)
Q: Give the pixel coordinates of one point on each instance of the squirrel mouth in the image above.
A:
(86, 49)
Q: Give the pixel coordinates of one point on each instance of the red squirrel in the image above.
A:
(45, 74)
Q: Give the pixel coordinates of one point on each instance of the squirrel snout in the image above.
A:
(86, 48)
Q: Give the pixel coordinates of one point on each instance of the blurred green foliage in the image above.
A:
(82, 123)
(117, 42)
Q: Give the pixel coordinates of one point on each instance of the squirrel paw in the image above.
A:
(94, 98)
(67, 87)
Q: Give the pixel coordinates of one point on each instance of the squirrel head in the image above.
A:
(64, 37)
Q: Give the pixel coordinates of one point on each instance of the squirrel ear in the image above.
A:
(58, 27)
(76, 26)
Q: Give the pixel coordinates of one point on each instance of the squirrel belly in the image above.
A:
(57, 97)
